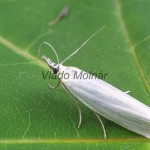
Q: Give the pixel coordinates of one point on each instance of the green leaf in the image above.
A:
(34, 117)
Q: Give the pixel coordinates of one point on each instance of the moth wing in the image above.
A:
(110, 102)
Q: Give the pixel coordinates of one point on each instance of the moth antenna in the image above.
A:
(82, 45)
(46, 43)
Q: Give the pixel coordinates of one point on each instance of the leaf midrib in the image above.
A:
(15, 141)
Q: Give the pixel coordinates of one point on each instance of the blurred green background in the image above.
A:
(35, 117)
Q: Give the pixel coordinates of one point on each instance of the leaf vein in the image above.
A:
(131, 47)
(21, 52)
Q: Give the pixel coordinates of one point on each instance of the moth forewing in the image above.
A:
(109, 102)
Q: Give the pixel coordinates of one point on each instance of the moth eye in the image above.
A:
(55, 70)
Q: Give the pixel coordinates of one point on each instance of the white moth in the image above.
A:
(103, 98)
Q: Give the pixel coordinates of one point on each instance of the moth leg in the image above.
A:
(54, 87)
(74, 99)
(127, 92)
(79, 111)
(99, 119)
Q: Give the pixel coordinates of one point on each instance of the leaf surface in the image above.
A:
(34, 117)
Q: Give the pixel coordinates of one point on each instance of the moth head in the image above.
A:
(54, 67)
